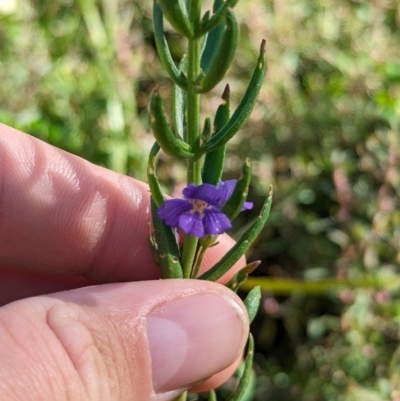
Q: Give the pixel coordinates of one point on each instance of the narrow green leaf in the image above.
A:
(212, 396)
(243, 111)
(179, 105)
(205, 18)
(154, 248)
(167, 248)
(222, 55)
(252, 302)
(214, 161)
(163, 49)
(175, 12)
(215, 20)
(235, 203)
(241, 276)
(244, 381)
(206, 133)
(181, 397)
(240, 248)
(154, 185)
(212, 40)
(166, 138)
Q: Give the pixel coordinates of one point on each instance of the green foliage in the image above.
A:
(222, 56)
(324, 132)
(68, 74)
(239, 196)
(243, 111)
(242, 245)
(252, 302)
(214, 161)
(168, 140)
(166, 247)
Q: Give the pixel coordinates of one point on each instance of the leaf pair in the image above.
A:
(243, 111)
(218, 53)
(168, 140)
(176, 13)
(167, 62)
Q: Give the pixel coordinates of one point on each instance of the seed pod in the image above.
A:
(243, 111)
(175, 12)
(165, 137)
(222, 58)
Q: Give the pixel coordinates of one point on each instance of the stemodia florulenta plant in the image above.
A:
(209, 204)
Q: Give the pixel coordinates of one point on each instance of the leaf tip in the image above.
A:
(227, 93)
(253, 266)
(262, 47)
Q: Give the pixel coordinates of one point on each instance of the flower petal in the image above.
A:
(215, 222)
(247, 206)
(205, 192)
(192, 224)
(172, 209)
(226, 188)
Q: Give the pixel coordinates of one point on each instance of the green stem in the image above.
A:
(288, 286)
(193, 127)
(193, 100)
(195, 271)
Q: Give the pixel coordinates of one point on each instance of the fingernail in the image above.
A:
(192, 338)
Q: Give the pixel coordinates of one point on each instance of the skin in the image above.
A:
(66, 224)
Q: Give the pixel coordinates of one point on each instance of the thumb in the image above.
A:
(133, 341)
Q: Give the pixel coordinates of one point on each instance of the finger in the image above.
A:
(23, 283)
(218, 379)
(119, 341)
(59, 210)
(62, 215)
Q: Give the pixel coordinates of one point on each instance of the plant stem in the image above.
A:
(193, 126)
(195, 271)
(283, 286)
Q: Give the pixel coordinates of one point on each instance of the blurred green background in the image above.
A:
(325, 132)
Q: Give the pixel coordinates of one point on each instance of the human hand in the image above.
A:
(66, 224)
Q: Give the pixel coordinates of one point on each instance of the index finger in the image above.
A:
(61, 214)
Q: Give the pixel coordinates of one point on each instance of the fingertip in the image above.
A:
(218, 379)
(193, 328)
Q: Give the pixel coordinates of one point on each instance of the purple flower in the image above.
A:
(199, 214)
(228, 187)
